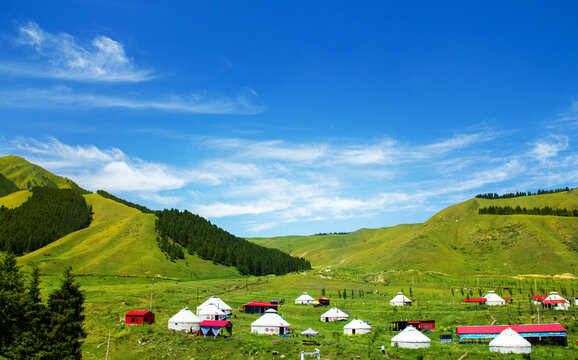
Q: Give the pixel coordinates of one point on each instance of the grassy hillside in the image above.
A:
(25, 175)
(456, 241)
(15, 199)
(120, 241)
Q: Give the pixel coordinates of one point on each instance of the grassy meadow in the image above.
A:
(435, 296)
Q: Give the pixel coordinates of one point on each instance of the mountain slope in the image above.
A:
(120, 241)
(6, 186)
(457, 241)
(24, 175)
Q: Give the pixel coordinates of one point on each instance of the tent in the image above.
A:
(357, 327)
(510, 341)
(400, 300)
(220, 304)
(334, 314)
(411, 338)
(210, 312)
(270, 323)
(184, 320)
(215, 327)
(304, 299)
(492, 299)
(555, 301)
(309, 332)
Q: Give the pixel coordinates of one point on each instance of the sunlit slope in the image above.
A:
(120, 241)
(456, 241)
(15, 199)
(25, 175)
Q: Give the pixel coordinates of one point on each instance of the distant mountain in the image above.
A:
(457, 241)
(25, 175)
(123, 238)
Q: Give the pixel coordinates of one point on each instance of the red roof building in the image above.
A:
(139, 317)
(258, 307)
(476, 300)
(322, 301)
(539, 297)
(534, 332)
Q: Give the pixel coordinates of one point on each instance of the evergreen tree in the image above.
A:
(12, 313)
(66, 306)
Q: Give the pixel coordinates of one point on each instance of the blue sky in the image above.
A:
(300, 117)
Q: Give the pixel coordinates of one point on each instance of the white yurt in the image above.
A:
(271, 324)
(400, 300)
(184, 320)
(411, 338)
(210, 312)
(357, 327)
(510, 341)
(220, 304)
(556, 302)
(305, 299)
(334, 314)
(492, 299)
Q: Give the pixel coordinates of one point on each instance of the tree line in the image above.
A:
(48, 215)
(198, 236)
(508, 210)
(29, 329)
(173, 250)
(107, 195)
(520, 194)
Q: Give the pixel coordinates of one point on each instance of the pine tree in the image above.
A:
(66, 306)
(11, 306)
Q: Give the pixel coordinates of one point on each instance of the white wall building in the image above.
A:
(220, 304)
(334, 314)
(357, 327)
(305, 299)
(510, 341)
(411, 338)
(400, 300)
(184, 320)
(270, 324)
(556, 302)
(210, 312)
(492, 299)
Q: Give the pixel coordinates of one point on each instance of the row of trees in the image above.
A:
(519, 194)
(48, 215)
(197, 235)
(508, 210)
(107, 195)
(30, 329)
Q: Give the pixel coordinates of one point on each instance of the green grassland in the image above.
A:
(24, 175)
(455, 241)
(15, 199)
(437, 297)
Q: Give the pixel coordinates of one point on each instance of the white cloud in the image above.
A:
(61, 56)
(548, 148)
(64, 97)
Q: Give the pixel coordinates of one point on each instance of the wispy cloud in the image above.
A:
(65, 97)
(62, 56)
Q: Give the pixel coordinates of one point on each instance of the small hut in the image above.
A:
(184, 320)
(556, 302)
(411, 338)
(510, 341)
(334, 314)
(322, 301)
(400, 300)
(216, 327)
(210, 312)
(271, 324)
(492, 299)
(305, 299)
(357, 327)
(137, 317)
(220, 304)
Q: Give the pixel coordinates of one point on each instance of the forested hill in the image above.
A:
(47, 216)
(25, 175)
(208, 241)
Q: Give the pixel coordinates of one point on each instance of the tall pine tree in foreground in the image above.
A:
(66, 306)
(12, 316)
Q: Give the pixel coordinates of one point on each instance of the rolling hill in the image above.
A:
(456, 241)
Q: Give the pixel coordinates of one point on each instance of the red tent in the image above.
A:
(140, 317)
